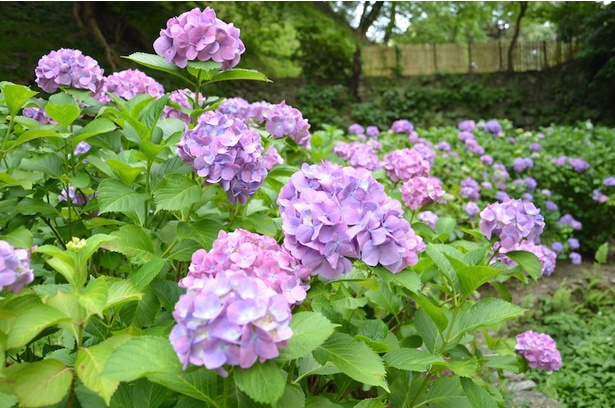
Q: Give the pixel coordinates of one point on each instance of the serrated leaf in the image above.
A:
(16, 96)
(446, 392)
(370, 403)
(30, 135)
(158, 63)
(411, 359)
(141, 313)
(310, 330)
(203, 231)
(31, 322)
(119, 291)
(146, 273)
(151, 114)
(479, 398)
(113, 196)
(96, 127)
(263, 382)
(176, 192)
(63, 114)
(140, 357)
(124, 171)
(19, 238)
(355, 359)
(293, 397)
(488, 312)
(90, 363)
(466, 368)
(528, 261)
(437, 254)
(602, 253)
(94, 298)
(472, 277)
(49, 164)
(409, 280)
(428, 331)
(42, 383)
(237, 73)
(146, 394)
(198, 383)
(134, 242)
(434, 312)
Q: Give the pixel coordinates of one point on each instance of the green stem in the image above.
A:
(55, 232)
(422, 388)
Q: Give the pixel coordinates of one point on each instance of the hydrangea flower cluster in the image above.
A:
(568, 219)
(540, 351)
(127, 84)
(402, 126)
(464, 135)
(522, 163)
(486, 159)
(332, 213)
(529, 182)
(403, 164)
(184, 98)
(534, 147)
(356, 129)
(15, 270)
(578, 165)
(557, 247)
(512, 221)
(70, 68)
(75, 197)
(576, 258)
(372, 131)
(502, 196)
(472, 209)
(420, 191)
(470, 189)
(444, 146)
(466, 126)
(425, 150)
(39, 115)
(238, 107)
(224, 151)
(609, 182)
(474, 146)
(359, 155)
(550, 205)
(560, 161)
(598, 196)
(81, 148)
(494, 127)
(546, 256)
(428, 217)
(199, 35)
(284, 120)
(272, 158)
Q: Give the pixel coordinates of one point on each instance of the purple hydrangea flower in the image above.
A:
(466, 125)
(540, 351)
(224, 151)
(560, 161)
(359, 155)
(494, 127)
(81, 148)
(372, 131)
(568, 219)
(486, 160)
(500, 172)
(402, 126)
(529, 182)
(522, 163)
(534, 147)
(68, 67)
(404, 164)
(420, 191)
(474, 146)
(527, 197)
(75, 197)
(184, 98)
(284, 120)
(272, 158)
(15, 270)
(39, 115)
(578, 165)
(550, 205)
(470, 189)
(331, 214)
(428, 217)
(426, 152)
(444, 146)
(512, 221)
(540, 136)
(511, 140)
(128, 84)
(356, 129)
(546, 193)
(502, 196)
(576, 258)
(472, 209)
(486, 185)
(557, 247)
(609, 182)
(199, 35)
(598, 196)
(238, 107)
(464, 136)
(573, 243)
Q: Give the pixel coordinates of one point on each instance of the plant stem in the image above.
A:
(55, 232)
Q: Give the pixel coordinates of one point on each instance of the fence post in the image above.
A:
(501, 57)
(470, 67)
(545, 57)
(435, 59)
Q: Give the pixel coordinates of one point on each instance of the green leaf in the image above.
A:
(135, 243)
(176, 192)
(140, 357)
(436, 253)
(237, 73)
(263, 382)
(31, 322)
(510, 363)
(428, 331)
(81, 180)
(42, 383)
(183, 250)
(124, 171)
(120, 291)
(445, 226)
(411, 359)
(63, 114)
(151, 114)
(479, 398)
(465, 368)
(146, 394)
(32, 134)
(19, 238)
(141, 313)
(409, 280)
(310, 330)
(602, 253)
(90, 363)
(96, 127)
(8, 401)
(113, 196)
(199, 383)
(146, 273)
(488, 312)
(446, 392)
(158, 63)
(385, 298)
(434, 312)
(203, 231)
(150, 149)
(320, 402)
(16, 96)
(94, 298)
(49, 164)
(293, 397)
(355, 359)
(370, 403)
(472, 277)
(528, 261)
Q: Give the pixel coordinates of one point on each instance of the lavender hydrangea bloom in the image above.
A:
(272, 158)
(238, 107)
(404, 164)
(15, 270)
(420, 191)
(199, 35)
(402, 126)
(486, 185)
(486, 160)
(557, 247)
(224, 151)
(470, 189)
(463, 136)
(534, 147)
(568, 219)
(75, 197)
(284, 120)
(578, 165)
(500, 172)
(529, 182)
(372, 131)
(474, 147)
(81, 148)
(128, 84)
(522, 163)
(428, 217)
(331, 214)
(444, 146)
(609, 182)
(550, 205)
(466, 125)
(472, 209)
(573, 243)
(560, 161)
(494, 127)
(356, 129)
(68, 67)
(363, 155)
(184, 98)
(540, 351)
(576, 258)
(502, 196)
(598, 196)
(39, 115)
(512, 221)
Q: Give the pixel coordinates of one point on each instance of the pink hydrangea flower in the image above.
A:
(127, 84)
(420, 191)
(540, 351)
(70, 68)
(404, 164)
(15, 271)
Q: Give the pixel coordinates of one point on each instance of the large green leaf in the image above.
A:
(528, 261)
(140, 357)
(113, 196)
(479, 398)
(151, 114)
(94, 298)
(238, 73)
(428, 331)
(355, 359)
(435, 313)
(146, 394)
(16, 96)
(126, 173)
(135, 243)
(19, 237)
(370, 403)
(199, 383)
(293, 397)
(203, 231)
(488, 312)
(263, 382)
(411, 359)
(176, 192)
(437, 254)
(146, 273)
(158, 63)
(41, 383)
(31, 322)
(50, 164)
(90, 363)
(96, 127)
(472, 277)
(32, 135)
(63, 114)
(310, 330)
(446, 392)
(120, 291)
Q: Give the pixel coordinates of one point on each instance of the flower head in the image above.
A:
(609, 182)
(539, 350)
(75, 197)
(420, 191)
(546, 256)
(184, 98)
(128, 84)
(598, 196)
(470, 189)
(199, 35)
(284, 120)
(579, 165)
(372, 131)
(356, 129)
(494, 127)
(402, 126)
(15, 270)
(272, 158)
(428, 217)
(568, 219)
(70, 68)
(512, 221)
(576, 258)
(466, 125)
(522, 163)
(81, 148)
(472, 209)
(404, 164)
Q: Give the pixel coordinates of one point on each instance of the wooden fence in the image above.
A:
(429, 59)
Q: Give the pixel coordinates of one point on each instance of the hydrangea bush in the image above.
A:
(178, 249)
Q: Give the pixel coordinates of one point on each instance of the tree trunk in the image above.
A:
(85, 15)
(513, 42)
(356, 74)
(388, 32)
